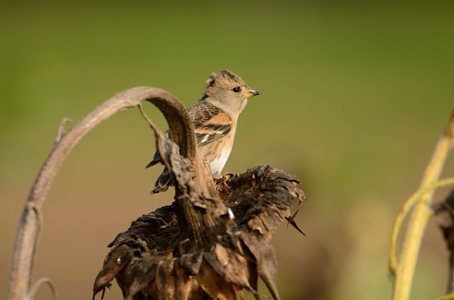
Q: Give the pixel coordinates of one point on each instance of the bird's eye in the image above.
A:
(236, 89)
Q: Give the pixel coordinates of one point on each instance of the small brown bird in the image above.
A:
(215, 117)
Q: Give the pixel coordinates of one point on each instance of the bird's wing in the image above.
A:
(210, 122)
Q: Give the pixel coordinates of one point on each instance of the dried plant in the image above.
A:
(212, 242)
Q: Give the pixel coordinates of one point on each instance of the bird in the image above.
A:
(215, 117)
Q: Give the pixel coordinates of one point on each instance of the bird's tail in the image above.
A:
(151, 163)
(163, 182)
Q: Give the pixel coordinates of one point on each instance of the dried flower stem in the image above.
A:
(30, 223)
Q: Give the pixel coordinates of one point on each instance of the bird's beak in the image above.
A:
(252, 92)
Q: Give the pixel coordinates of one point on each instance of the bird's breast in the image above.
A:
(219, 161)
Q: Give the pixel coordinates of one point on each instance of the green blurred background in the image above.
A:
(355, 95)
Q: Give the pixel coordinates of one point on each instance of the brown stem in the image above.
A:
(199, 227)
(450, 286)
(444, 217)
(30, 222)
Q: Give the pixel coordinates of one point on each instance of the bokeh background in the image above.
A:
(355, 95)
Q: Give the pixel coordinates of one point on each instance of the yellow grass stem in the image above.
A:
(403, 213)
(413, 238)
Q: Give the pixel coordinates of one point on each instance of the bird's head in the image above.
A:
(229, 91)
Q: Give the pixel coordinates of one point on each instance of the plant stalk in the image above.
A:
(421, 213)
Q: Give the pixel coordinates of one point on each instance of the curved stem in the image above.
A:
(41, 282)
(403, 213)
(421, 213)
(30, 225)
